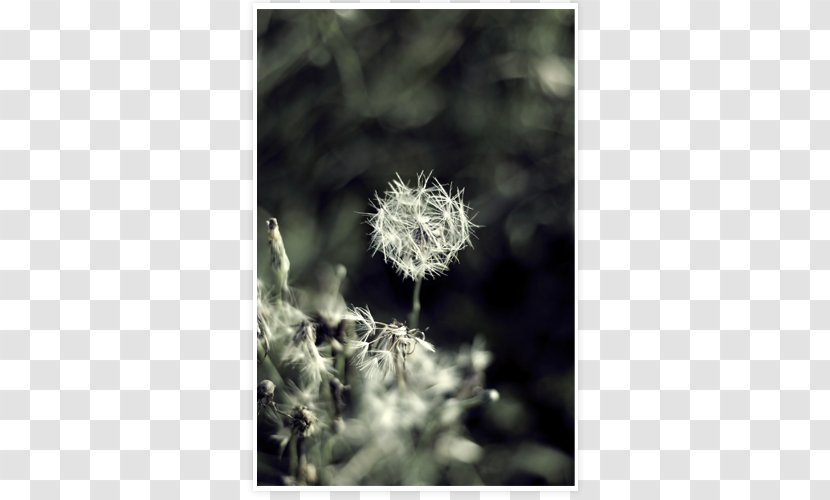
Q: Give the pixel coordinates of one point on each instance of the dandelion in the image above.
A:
(420, 230)
(383, 347)
(307, 341)
(302, 351)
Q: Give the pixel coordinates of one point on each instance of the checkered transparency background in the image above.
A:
(126, 251)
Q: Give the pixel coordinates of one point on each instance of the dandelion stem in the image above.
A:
(302, 461)
(400, 372)
(338, 391)
(298, 459)
(293, 460)
(416, 304)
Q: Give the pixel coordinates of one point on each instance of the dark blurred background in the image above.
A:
(484, 99)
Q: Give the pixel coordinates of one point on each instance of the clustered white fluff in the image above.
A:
(386, 433)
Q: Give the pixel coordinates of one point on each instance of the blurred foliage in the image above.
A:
(483, 99)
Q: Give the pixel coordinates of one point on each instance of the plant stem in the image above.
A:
(302, 461)
(400, 372)
(337, 392)
(293, 460)
(416, 305)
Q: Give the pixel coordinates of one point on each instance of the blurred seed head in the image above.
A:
(303, 421)
(302, 351)
(328, 302)
(420, 229)
(265, 394)
(265, 390)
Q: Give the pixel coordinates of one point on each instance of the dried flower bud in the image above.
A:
(303, 421)
(265, 394)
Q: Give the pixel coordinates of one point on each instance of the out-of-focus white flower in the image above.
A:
(389, 412)
(328, 303)
(420, 229)
(476, 356)
(452, 447)
(381, 347)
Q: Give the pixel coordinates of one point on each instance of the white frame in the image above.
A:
(426, 6)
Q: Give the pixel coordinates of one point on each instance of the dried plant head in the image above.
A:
(420, 229)
(265, 395)
(303, 421)
(379, 347)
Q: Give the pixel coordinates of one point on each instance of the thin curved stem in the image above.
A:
(416, 304)
(400, 373)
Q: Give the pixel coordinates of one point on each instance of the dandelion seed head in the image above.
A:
(420, 229)
(379, 347)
